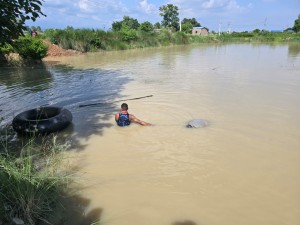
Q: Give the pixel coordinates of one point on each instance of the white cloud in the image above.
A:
(208, 6)
(96, 5)
(84, 5)
(56, 3)
(146, 7)
(117, 6)
(228, 4)
(233, 6)
(212, 4)
(101, 13)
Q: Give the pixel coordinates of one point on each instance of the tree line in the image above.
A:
(124, 34)
(15, 13)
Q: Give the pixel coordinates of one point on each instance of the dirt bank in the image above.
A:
(54, 50)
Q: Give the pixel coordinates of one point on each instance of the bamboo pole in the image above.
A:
(99, 103)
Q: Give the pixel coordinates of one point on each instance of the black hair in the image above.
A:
(124, 106)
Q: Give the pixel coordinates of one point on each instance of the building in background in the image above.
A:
(200, 31)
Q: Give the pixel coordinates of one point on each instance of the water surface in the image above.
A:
(243, 168)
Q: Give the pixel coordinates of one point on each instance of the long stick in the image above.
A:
(115, 101)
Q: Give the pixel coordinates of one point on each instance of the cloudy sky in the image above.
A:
(236, 15)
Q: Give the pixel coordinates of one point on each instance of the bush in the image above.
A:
(127, 34)
(4, 50)
(31, 184)
(146, 26)
(181, 38)
(7, 48)
(31, 47)
(165, 37)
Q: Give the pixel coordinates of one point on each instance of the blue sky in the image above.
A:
(233, 15)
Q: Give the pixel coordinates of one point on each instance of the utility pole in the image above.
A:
(179, 24)
(179, 18)
(219, 27)
(228, 28)
(265, 24)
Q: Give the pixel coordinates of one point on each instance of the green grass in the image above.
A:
(86, 40)
(32, 183)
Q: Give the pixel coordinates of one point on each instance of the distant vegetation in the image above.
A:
(129, 33)
(124, 37)
(125, 34)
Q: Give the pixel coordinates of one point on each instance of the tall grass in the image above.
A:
(86, 40)
(31, 183)
(260, 37)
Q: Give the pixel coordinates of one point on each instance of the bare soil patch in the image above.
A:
(55, 50)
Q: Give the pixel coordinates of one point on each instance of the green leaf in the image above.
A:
(14, 14)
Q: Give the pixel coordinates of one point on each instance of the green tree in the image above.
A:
(131, 23)
(38, 28)
(116, 26)
(127, 34)
(31, 48)
(146, 26)
(256, 31)
(296, 27)
(192, 21)
(170, 14)
(14, 14)
(188, 24)
(186, 27)
(128, 21)
(157, 25)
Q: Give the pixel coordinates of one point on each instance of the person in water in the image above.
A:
(124, 118)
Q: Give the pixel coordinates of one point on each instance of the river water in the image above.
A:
(243, 168)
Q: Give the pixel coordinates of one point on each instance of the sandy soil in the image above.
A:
(55, 50)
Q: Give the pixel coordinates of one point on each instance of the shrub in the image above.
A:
(31, 47)
(181, 38)
(52, 35)
(165, 37)
(7, 48)
(127, 34)
(146, 26)
(31, 184)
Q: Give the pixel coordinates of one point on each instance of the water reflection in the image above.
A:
(294, 49)
(64, 86)
(242, 168)
(33, 80)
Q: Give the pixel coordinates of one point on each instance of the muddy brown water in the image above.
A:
(243, 168)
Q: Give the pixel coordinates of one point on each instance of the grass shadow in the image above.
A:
(72, 210)
(184, 222)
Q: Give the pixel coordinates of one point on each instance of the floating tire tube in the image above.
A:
(43, 120)
(197, 123)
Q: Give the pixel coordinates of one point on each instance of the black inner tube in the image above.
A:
(42, 114)
(42, 120)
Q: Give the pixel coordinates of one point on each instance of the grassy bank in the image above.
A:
(24, 51)
(32, 182)
(28, 51)
(86, 40)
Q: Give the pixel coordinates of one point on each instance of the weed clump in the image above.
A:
(32, 182)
